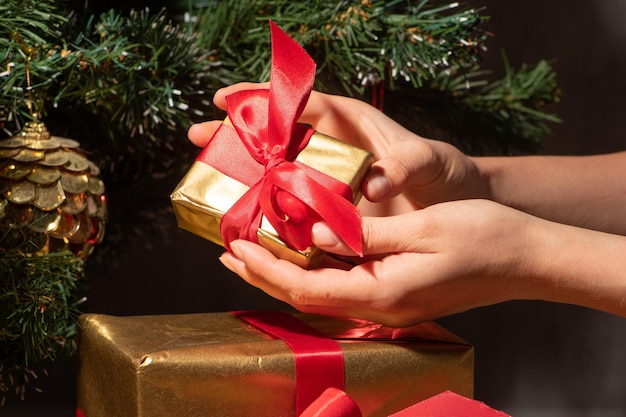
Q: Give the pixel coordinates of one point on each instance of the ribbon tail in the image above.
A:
(332, 402)
(344, 219)
(243, 219)
(291, 81)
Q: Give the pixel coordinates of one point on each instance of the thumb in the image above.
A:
(201, 133)
(408, 162)
(219, 99)
(379, 234)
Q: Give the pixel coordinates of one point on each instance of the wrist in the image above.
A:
(486, 178)
(572, 265)
(459, 176)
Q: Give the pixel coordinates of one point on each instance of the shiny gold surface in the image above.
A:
(56, 158)
(77, 162)
(14, 170)
(75, 183)
(44, 221)
(74, 203)
(22, 192)
(29, 155)
(48, 186)
(194, 365)
(68, 226)
(44, 175)
(95, 185)
(49, 197)
(205, 194)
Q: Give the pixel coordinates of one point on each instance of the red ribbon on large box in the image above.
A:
(319, 370)
(336, 403)
(318, 359)
(259, 151)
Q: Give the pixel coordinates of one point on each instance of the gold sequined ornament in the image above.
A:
(51, 198)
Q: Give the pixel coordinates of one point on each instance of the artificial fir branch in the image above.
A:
(38, 308)
(428, 56)
(514, 104)
(505, 114)
(139, 74)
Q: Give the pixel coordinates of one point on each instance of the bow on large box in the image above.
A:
(334, 402)
(282, 176)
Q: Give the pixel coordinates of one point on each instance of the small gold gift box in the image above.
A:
(215, 364)
(205, 194)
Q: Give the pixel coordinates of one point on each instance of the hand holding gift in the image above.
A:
(460, 232)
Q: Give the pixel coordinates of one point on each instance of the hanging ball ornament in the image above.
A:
(51, 198)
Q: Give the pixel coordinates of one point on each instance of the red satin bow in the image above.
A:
(332, 402)
(291, 195)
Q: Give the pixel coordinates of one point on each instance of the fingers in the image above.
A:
(249, 253)
(380, 235)
(409, 163)
(219, 99)
(317, 105)
(364, 291)
(200, 133)
(321, 106)
(282, 279)
(403, 159)
(330, 114)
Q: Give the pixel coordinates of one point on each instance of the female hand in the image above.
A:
(423, 171)
(443, 259)
(452, 256)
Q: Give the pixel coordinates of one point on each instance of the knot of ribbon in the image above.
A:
(291, 195)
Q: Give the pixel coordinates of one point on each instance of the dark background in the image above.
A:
(532, 358)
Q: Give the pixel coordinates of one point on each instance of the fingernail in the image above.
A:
(236, 249)
(376, 185)
(323, 236)
(230, 262)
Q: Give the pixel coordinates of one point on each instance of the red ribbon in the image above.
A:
(336, 403)
(318, 359)
(332, 403)
(260, 149)
(320, 369)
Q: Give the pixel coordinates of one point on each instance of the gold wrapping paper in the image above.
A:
(194, 365)
(205, 194)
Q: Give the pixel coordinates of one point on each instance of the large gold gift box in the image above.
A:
(205, 194)
(215, 364)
